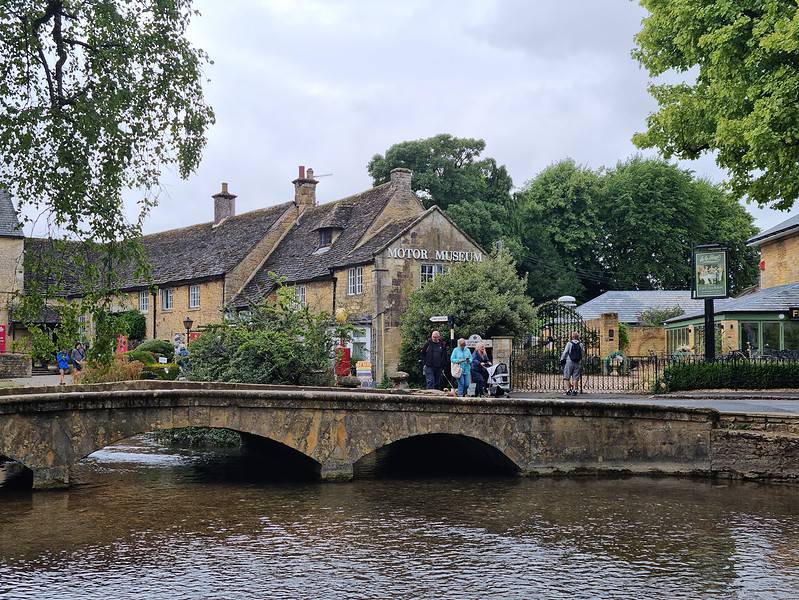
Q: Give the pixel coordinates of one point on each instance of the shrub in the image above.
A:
(735, 375)
(166, 372)
(119, 369)
(132, 324)
(198, 437)
(158, 347)
(143, 356)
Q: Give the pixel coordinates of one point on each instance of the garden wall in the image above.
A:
(14, 365)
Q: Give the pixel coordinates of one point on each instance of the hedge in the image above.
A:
(164, 348)
(142, 356)
(166, 372)
(730, 375)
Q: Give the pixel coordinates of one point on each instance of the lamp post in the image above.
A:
(187, 323)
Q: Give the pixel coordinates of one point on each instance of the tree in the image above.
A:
(487, 298)
(654, 317)
(449, 172)
(742, 100)
(633, 226)
(95, 99)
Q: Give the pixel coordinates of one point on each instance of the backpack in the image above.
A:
(576, 352)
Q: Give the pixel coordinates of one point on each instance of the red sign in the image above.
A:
(2, 337)
(122, 343)
(193, 335)
(342, 361)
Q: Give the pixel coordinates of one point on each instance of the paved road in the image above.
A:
(776, 402)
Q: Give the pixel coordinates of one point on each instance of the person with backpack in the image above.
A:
(572, 362)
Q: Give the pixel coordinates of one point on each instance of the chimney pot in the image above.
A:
(305, 189)
(401, 178)
(302, 172)
(224, 187)
(309, 173)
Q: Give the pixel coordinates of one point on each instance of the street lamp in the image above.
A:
(187, 323)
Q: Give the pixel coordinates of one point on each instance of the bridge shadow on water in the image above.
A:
(435, 455)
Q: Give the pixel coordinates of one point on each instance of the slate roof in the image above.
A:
(190, 253)
(296, 259)
(788, 226)
(774, 299)
(629, 304)
(9, 224)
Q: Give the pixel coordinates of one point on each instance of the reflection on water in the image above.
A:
(148, 523)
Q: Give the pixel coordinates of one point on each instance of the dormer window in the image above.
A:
(325, 237)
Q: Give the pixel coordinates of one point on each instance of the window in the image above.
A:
(428, 272)
(83, 326)
(325, 237)
(791, 335)
(699, 338)
(771, 336)
(355, 281)
(167, 299)
(144, 302)
(299, 295)
(194, 296)
(676, 339)
(750, 337)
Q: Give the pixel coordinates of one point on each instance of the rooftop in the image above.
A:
(9, 224)
(773, 299)
(629, 304)
(787, 227)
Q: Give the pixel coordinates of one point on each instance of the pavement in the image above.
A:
(729, 401)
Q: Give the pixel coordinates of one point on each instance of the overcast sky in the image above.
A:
(328, 84)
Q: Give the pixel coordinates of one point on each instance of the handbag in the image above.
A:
(456, 370)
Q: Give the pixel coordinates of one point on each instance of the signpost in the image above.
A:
(710, 281)
(449, 320)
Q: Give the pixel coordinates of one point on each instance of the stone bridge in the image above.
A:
(344, 433)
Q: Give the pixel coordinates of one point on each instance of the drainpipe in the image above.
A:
(155, 313)
(335, 284)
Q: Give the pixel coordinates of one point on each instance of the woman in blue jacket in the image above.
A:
(62, 357)
(462, 357)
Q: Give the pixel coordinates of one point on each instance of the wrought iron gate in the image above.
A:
(535, 360)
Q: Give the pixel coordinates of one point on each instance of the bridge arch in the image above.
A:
(436, 454)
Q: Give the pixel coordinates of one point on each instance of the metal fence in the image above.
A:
(631, 374)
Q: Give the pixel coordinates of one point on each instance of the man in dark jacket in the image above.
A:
(434, 355)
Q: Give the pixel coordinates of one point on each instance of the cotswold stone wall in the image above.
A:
(781, 264)
(14, 365)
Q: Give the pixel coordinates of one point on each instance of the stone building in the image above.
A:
(364, 253)
(11, 273)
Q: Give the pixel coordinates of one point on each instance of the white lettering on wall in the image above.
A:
(441, 255)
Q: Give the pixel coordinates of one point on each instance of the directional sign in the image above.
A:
(439, 319)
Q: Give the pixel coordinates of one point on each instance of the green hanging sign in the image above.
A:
(711, 279)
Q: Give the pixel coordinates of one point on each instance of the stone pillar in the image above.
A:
(335, 471)
(608, 333)
(730, 340)
(49, 478)
(501, 348)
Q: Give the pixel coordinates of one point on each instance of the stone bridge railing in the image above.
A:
(50, 429)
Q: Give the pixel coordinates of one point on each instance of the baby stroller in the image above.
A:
(498, 383)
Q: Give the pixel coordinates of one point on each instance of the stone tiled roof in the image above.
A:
(297, 257)
(786, 227)
(9, 224)
(197, 252)
(629, 304)
(773, 299)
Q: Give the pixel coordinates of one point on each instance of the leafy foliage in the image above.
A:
(730, 375)
(198, 437)
(633, 226)
(487, 298)
(654, 317)
(95, 99)
(132, 324)
(741, 97)
(159, 348)
(119, 368)
(142, 356)
(276, 342)
(165, 372)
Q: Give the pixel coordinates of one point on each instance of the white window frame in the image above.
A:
(299, 295)
(144, 302)
(434, 270)
(355, 281)
(167, 299)
(194, 296)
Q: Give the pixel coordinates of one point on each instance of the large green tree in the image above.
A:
(96, 98)
(451, 173)
(487, 298)
(740, 94)
(633, 226)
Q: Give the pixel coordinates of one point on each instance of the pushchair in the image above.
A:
(498, 382)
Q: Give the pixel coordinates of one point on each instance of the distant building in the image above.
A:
(779, 253)
(365, 253)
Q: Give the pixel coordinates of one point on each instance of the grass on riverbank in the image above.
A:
(198, 437)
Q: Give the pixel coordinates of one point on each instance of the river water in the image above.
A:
(145, 522)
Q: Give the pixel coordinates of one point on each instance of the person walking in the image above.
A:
(461, 359)
(78, 360)
(434, 356)
(572, 362)
(479, 371)
(62, 358)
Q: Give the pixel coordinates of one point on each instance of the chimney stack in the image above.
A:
(224, 205)
(305, 189)
(401, 178)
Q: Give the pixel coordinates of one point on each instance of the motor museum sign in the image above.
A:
(440, 255)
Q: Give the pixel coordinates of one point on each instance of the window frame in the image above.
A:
(325, 237)
(144, 302)
(194, 287)
(355, 281)
(170, 294)
(299, 295)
